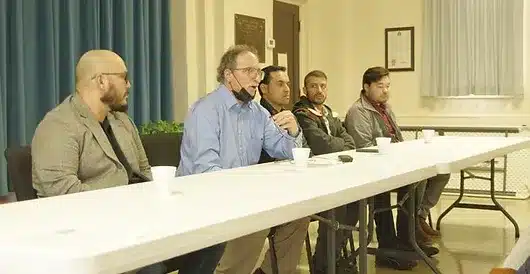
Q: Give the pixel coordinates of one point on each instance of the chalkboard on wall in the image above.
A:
(251, 31)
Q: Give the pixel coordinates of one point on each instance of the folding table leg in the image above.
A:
(460, 196)
(498, 207)
(331, 243)
(363, 244)
(412, 229)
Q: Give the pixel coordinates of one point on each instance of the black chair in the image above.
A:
(19, 172)
(162, 149)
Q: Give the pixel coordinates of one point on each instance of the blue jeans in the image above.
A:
(203, 261)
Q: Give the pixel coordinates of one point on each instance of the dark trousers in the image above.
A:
(384, 221)
(525, 268)
(347, 215)
(203, 261)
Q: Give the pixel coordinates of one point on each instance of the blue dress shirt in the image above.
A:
(220, 133)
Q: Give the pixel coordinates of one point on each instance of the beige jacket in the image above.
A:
(364, 123)
(71, 152)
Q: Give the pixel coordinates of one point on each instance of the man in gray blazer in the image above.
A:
(88, 142)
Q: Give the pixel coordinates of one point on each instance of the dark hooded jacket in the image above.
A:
(265, 158)
(320, 138)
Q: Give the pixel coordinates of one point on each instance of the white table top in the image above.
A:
(454, 153)
(119, 229)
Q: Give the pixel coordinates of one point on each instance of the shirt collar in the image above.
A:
(229, 100)
(268, 106)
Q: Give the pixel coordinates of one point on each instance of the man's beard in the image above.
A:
(316, 102)
(111, 99)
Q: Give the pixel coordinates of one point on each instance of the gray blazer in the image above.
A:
(71, 152)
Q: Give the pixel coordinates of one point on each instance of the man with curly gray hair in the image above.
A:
(227, 129)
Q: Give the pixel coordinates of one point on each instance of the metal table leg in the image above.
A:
(412, 229)
(453, 205)
(363, 244)
(496, 206)
(331, 244)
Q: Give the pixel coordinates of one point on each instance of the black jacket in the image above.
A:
(315, 131)
(265, 158)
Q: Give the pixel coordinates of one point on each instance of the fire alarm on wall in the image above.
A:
(271, 43)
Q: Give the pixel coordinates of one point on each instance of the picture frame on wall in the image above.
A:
(250, 31)
(399, 49)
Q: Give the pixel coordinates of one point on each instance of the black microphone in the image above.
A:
(242, 95)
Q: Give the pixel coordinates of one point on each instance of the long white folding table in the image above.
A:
(448, 150)
(121, 229)
(454, 154)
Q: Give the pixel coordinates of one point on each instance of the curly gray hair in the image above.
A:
(228, 61)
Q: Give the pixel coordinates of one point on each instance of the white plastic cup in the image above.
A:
(301, 156)
(162, 176)
(428, 135)
(163, 173)
(383, 144)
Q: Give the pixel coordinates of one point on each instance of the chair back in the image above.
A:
(162, 149)
(19, 172)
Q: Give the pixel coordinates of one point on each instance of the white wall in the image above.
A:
(375, 16)
(340, 37)
(203, 30)
(328, 42)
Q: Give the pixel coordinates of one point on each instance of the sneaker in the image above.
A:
(427, 249)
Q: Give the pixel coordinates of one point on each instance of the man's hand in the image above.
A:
(287, 121)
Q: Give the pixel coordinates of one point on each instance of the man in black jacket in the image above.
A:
(325, 134)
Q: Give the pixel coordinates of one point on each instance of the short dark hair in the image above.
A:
(267, 75)
(228, 61)
(374, 74)
(315, 73)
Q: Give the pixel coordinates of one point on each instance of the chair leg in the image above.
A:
(272, 250)
(309, 253)
(352, 245)
(430, 218)
(345, 249)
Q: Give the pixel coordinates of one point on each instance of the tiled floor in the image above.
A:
(473, 241)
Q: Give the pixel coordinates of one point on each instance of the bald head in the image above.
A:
(98, 62)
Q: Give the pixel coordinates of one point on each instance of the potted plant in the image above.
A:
(161, 141)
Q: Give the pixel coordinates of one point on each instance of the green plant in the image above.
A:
(161, 126)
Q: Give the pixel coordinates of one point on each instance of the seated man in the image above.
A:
(325, 134)
(288, 238)
(371, 117)
(88, 142)
(227, 129)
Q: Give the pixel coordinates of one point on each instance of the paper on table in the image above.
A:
(282, 59)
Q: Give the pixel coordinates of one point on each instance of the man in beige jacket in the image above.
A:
(88, 142)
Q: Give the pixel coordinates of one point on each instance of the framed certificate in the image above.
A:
(399, 49)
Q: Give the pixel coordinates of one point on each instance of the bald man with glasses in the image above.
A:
(88, 142)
